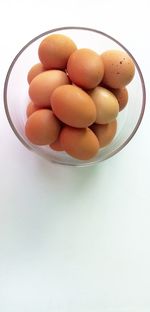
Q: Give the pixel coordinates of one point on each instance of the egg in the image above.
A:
(119, 68)
(85, 68)
(54, 51)
(79, 143)
(73, 106)
(42, 127)
(31, 108)
(106, 103)
(42, 86)
(122, 97)
(34, 71)
(56, 146)
(105, 133)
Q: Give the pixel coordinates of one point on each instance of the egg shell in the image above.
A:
(119, 68)
(73, 106)
(79, 143)
(54, 51)
(34, 71)
(31, 108)
(42, 127)
(105, 133)
(56, 146)
(106, 103)
(85, 68)
(122, 97)
(42, 86)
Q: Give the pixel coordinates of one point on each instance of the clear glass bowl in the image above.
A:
(16, 94)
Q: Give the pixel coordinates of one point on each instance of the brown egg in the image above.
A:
(54, 51)
(85, 68)
(56, 146)
(73, 106)
(119, 68)
(107, 106)
(79, 143)
(42, 127)
(42, 86)
(122, 97)
(105, 133)
(34, 71)
(31, 108)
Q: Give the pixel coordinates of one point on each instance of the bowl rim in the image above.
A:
(75, 28)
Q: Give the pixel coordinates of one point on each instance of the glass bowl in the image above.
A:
(16, 94)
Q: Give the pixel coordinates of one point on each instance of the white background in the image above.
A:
(74, 239)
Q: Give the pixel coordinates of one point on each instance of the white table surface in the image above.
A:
(75, 239)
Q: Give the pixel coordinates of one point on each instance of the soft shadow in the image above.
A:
(68, 176)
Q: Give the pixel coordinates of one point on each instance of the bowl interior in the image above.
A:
(16, 94)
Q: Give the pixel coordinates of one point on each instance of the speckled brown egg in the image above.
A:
(106, 103)
(79, 143)
(85, 68)
(105, 133)
(42, 127)
(122, 97)
(42, 86)
(119, 68)
(34, 71)
(73, 106)
(54, 51)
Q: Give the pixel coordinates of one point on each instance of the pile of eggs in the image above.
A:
(76, 95)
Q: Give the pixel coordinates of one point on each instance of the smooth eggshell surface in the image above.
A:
(79, 143)
(34, 71)
(55, 50)
(85, 68)
(107, 106)
(119, 68)
(42, 127)
(56, 146)
(42, 86)
(122, 97)
(31, 108)
(105, 133)
(73, 106)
